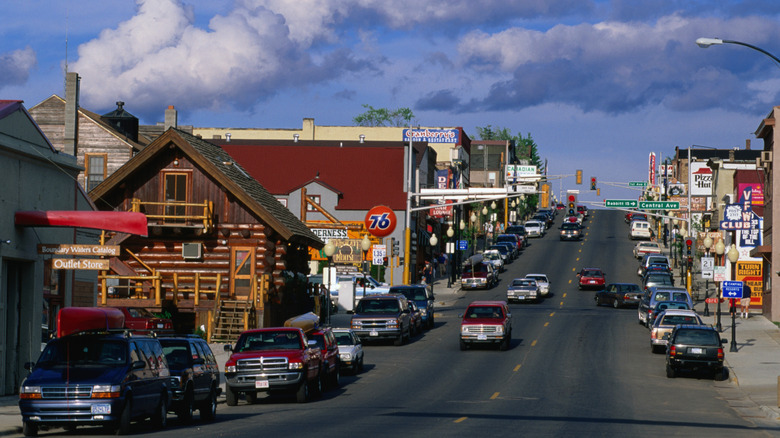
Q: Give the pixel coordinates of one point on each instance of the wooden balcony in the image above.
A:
(175, 214)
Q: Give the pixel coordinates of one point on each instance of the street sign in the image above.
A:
(378, 254)
(712, 300)
(732, 289)
(463, 245)
(620, 203)
(707, 263)
(637, 184)
(659, 205)
(719, 273)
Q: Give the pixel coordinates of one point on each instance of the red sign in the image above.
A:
(380, 221)
(712, 300)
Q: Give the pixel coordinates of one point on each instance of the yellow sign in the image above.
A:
(753, 276)
(81, 264)
(81, 250)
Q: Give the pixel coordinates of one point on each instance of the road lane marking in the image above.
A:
(533, 344)
(494, 396)
(517, 368)
(461, 419)
(569, 281)
(578, 259)
(552, 314)
(564, 295)
(561, 303)
(547, 323)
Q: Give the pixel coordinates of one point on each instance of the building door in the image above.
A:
(242, 270)
(175, 190)
(10, 323)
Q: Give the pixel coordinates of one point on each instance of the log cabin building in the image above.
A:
(222, 252)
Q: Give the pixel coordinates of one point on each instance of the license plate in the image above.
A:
(159, 326)
(697, 350)
(374, 333)
(101, 409)
(261, 384)
(482, 337)
(520, 297)
(592, 281)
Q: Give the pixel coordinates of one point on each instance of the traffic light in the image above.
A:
(572, 206)
(384, 261)
(579, 176)
(394, 245)
(688, 244)
(593, 183)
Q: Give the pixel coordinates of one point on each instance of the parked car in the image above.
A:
(513, 240)
(494, 256)
(416, 318)
(422, 296)
(520, 231)
(643, 248)
(650, 259)
(115, 378)
(665, 322)
(143, 322)
(486, 322)
(652, 296)
(194, 376)
(570, 231)
(329, 354)
(693, 348)
(542, 281)
(663, 306)
(350, 350)
(523, 289)
(506, 250)
(657, 279)
(619, 295)
(478, 274)
(591, 278)
(535, 228)
(640, 230)
(383, 317)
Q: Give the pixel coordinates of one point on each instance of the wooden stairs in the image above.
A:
(233, 317)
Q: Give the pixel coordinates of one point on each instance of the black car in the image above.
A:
(194, 378)
(422, 297)
(619, 295)
(695, 348)
(518, 230)
(571, 231)
(505, 249)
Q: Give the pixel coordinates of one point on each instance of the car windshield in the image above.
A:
(679, 319)
(592, 274)
(84, 351)
(538, 278)
(272, 340)
(524, 283)
(479, 267)
(476, 312)
(140, 312)
(411, 293)
(377, 306)
(492, 256)
(570, 226)
(344, 338)
(706, 338)
(659, 279)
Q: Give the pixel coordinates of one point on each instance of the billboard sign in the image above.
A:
(701, 179)
(432, 135)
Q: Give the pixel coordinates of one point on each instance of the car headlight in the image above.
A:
(423, 312)
(500, 330)
(464, 329)
(29, 392)
(392, 323)
(106, 391)
(295, 365)
(345, 356)
(230, 369)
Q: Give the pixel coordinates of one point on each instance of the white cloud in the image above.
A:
(15, 66)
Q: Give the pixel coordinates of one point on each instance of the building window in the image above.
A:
(316, 199)
(95, 169)
(175, 190)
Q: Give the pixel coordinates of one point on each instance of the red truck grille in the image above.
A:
(262, 364)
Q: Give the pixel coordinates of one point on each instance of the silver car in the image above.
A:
(535, 228)
(350, 350)
(542, 281)
(494, 257)
(523, 289)
(664, 324)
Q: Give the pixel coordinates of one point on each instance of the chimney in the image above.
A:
(71, 139)
(747, 144)
(171, 118)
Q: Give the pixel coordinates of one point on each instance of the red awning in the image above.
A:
(120, 221)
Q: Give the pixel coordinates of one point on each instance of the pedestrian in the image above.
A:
(744, 302)
(666, 235)
(428, 273)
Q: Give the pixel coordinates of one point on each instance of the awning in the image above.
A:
(120, 221)
(761, 250)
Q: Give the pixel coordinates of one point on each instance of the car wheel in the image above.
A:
(160, 417)
(208, 410)
(655, 348)
(463, 345)
(319, 384)
(360, 364)
(615, 304)
(302, 394)
(334, 379)
(251, 397)
(231, 396)
(123, 425)
(505, 343)
(187, 406)
(720, 375)
(29, 428)
(671, 372)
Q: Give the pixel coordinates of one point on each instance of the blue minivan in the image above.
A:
(96, 379)
(422, 297)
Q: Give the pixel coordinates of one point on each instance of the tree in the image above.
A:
(384, 117)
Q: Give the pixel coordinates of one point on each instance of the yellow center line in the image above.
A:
(461, 419)
(569, 281)
(517, 368)
(552, 314)
(546, 323)
(494, 396)
(561, 303)
(578, 259)
(579, 250)
(533, 344)
(573, 269)
(564, 295)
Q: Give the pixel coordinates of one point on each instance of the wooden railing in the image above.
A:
(174, 212)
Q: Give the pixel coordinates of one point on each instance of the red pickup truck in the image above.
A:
(486, 322)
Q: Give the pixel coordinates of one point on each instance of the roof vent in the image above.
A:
(295, 137)
(227, 137)
(362, 138)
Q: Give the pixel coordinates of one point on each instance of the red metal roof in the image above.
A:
(366, 174)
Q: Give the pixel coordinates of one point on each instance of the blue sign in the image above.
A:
(463, 245)
(732, 289)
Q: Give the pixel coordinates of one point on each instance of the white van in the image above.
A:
(640, 230)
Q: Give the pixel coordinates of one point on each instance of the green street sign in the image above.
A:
(659, 205)
(637, 184)
(620, 203)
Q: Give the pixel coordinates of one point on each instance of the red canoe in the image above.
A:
(76, 319)
(120, 221)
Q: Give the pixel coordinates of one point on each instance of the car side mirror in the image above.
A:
(724, 341)
(29, 366)
(138, 365)
(228, 347)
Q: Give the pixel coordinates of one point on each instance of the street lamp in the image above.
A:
(720, 249)
(365, 245)
(707, 42)
(329, 249)
(707, 245)
(433, 241)
(473, 219)
(733, 257)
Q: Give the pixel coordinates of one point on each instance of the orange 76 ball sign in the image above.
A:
(380, 221)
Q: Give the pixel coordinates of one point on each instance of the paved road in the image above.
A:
(574, 369)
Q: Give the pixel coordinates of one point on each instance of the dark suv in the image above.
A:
(422, 297)
(96, 379)
(194, 378)
(383, 317)
(694, 348)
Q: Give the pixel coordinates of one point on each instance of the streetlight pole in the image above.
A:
(329, 249)
(707, 245)
(365, 245)
(720, 249)
(733, 258)
(707, 42)
(433, 241)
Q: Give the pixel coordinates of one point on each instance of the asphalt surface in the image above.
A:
(573, 369)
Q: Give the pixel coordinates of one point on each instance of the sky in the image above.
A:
(597, 84)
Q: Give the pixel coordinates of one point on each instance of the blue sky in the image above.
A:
(597, 84)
